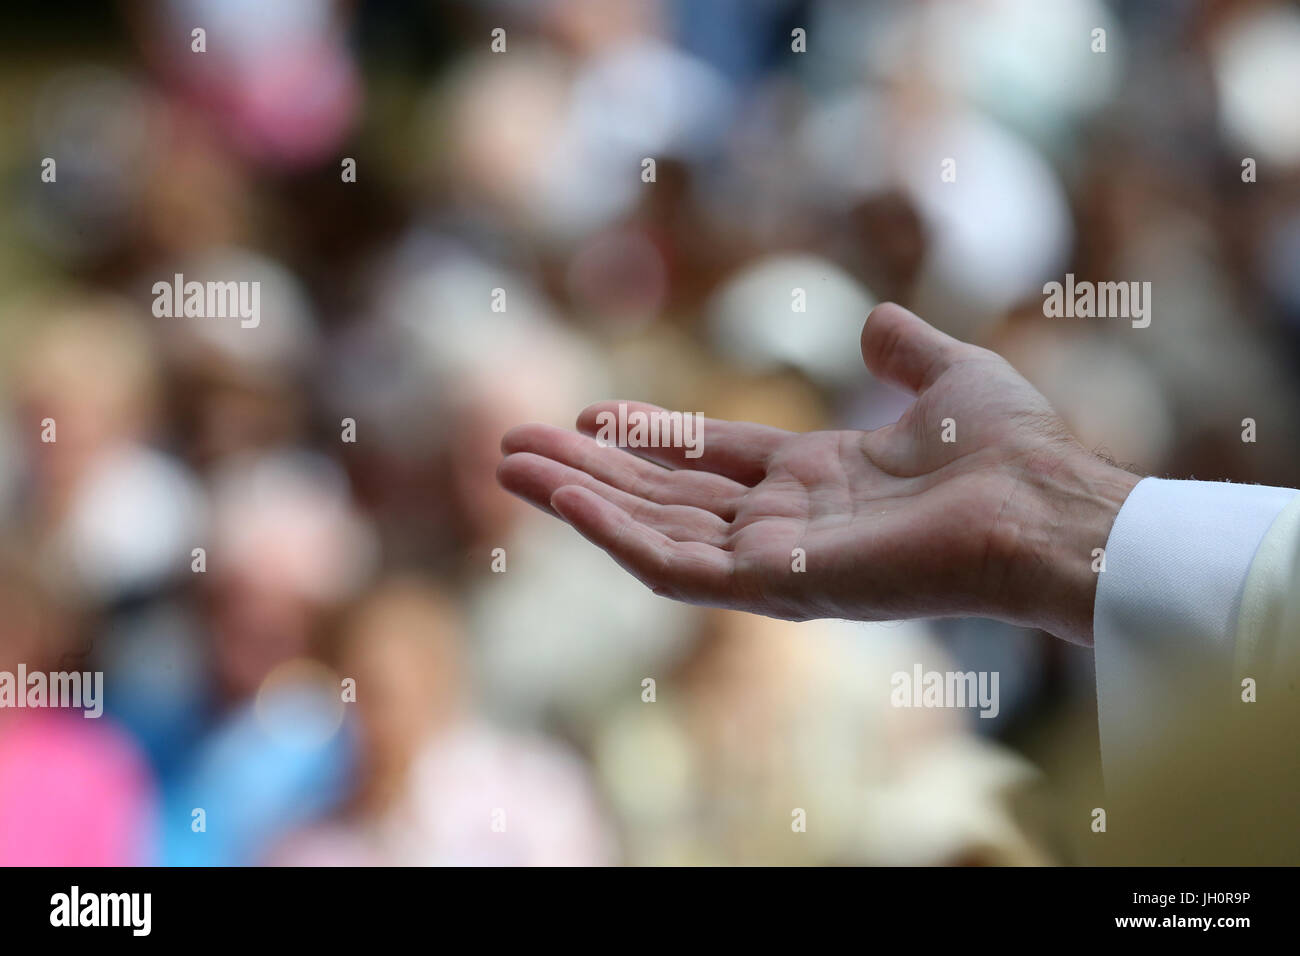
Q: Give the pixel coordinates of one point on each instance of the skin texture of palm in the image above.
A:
(976, 501)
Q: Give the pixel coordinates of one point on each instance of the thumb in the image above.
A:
(900, 347)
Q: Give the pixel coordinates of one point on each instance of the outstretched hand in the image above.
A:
(976, 501)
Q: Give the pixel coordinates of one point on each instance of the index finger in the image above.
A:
(736, 450)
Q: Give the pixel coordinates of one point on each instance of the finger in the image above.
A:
(685, 571)
(536, 479)
(737, 450)
(627, 472)
(900, 347)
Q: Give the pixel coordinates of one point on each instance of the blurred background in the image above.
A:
(499, 716)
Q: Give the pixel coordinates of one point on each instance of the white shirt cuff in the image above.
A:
(1176, 561)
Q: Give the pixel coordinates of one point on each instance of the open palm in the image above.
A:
(931, 515)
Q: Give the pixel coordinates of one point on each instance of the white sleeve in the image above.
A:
(1175, 565)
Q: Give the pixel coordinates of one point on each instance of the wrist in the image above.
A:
(1072, 501)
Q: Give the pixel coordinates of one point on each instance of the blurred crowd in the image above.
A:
(350, 671)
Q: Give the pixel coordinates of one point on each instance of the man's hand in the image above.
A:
(894, 523)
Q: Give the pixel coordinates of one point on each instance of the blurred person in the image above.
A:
(436, 785)
(278, 78)
(764, 718)
(985, 214)
(552, 138)
(287, 547)
(74, 790)
(736, 36)
(101, 126)
(238, 387)
(750, 317)
(264, 768)
(589, 26)
(195, 198)
(286, 550)
(1006, 521)
(159, 684)
(107, 513)
(1110, 398)
(1255, 57)
(1019, 61)
(465, 372)
(435, 370)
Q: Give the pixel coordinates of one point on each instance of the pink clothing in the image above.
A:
(73, 792)
(476, 797)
